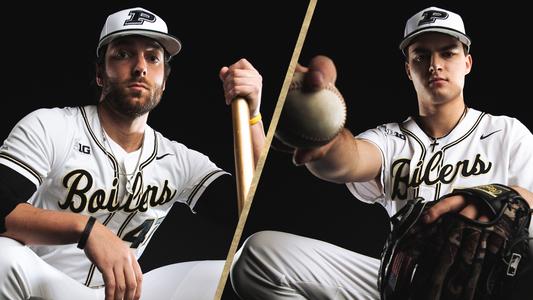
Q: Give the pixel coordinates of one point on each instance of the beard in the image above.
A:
(120, 99)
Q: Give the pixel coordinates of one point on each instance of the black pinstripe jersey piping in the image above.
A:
(199, 185)
(126, 222)
(456, 142)
(422, 156)
(100, 145)
(115, 167)
(23, 165)
(152, 156)
(469, 132)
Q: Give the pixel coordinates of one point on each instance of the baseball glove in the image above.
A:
(456, 257)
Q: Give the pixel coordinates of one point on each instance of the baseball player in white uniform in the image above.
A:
(83, 189)
(448, 145)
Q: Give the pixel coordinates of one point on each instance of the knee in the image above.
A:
(256, 260)
(259, 245)
(12, 258)
(11, 253)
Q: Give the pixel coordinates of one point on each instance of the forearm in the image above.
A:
(31, 225)
(336, 163)
(258, 140)
(527, 195)
(347, 160)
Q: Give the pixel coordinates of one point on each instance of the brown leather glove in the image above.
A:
(456, 257)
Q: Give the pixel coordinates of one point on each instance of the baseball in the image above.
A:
(310, 119)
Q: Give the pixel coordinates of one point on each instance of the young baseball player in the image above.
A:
(447, 145)
(83, 189)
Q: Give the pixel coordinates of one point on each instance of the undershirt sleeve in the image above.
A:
(14, 189)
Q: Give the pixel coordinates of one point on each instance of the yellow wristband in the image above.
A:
(255, 119)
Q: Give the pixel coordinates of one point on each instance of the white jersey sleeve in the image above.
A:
(30, 148)
(197, 172)
(521, 162)
(371, 191)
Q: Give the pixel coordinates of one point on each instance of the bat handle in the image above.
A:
(242, 146)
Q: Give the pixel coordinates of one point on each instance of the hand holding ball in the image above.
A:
(310, 119)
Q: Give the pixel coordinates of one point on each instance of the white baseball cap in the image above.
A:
(434, 19)
(138, 21)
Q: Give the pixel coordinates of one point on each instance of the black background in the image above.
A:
(48, 61)
(363, 41)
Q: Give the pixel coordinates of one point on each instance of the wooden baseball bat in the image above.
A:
(242, 147)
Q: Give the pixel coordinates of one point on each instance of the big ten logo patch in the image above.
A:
(392, 132)
(85, 149)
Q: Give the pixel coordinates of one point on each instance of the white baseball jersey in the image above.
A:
(481, 149)
(76, 168)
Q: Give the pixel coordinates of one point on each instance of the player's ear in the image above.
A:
(469, 63)
(99, 80)
(408, 70)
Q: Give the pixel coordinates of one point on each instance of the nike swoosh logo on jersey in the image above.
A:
(486, 136)
(160, 157)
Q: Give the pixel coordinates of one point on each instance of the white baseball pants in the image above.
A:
(275, 265)
(24, 275)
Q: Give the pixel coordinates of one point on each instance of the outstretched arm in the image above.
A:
(345, 158)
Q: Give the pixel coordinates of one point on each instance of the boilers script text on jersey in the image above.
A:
(79, 183)
(425, 174)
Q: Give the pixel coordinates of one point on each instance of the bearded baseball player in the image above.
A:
(447, 146)
(83, 189)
